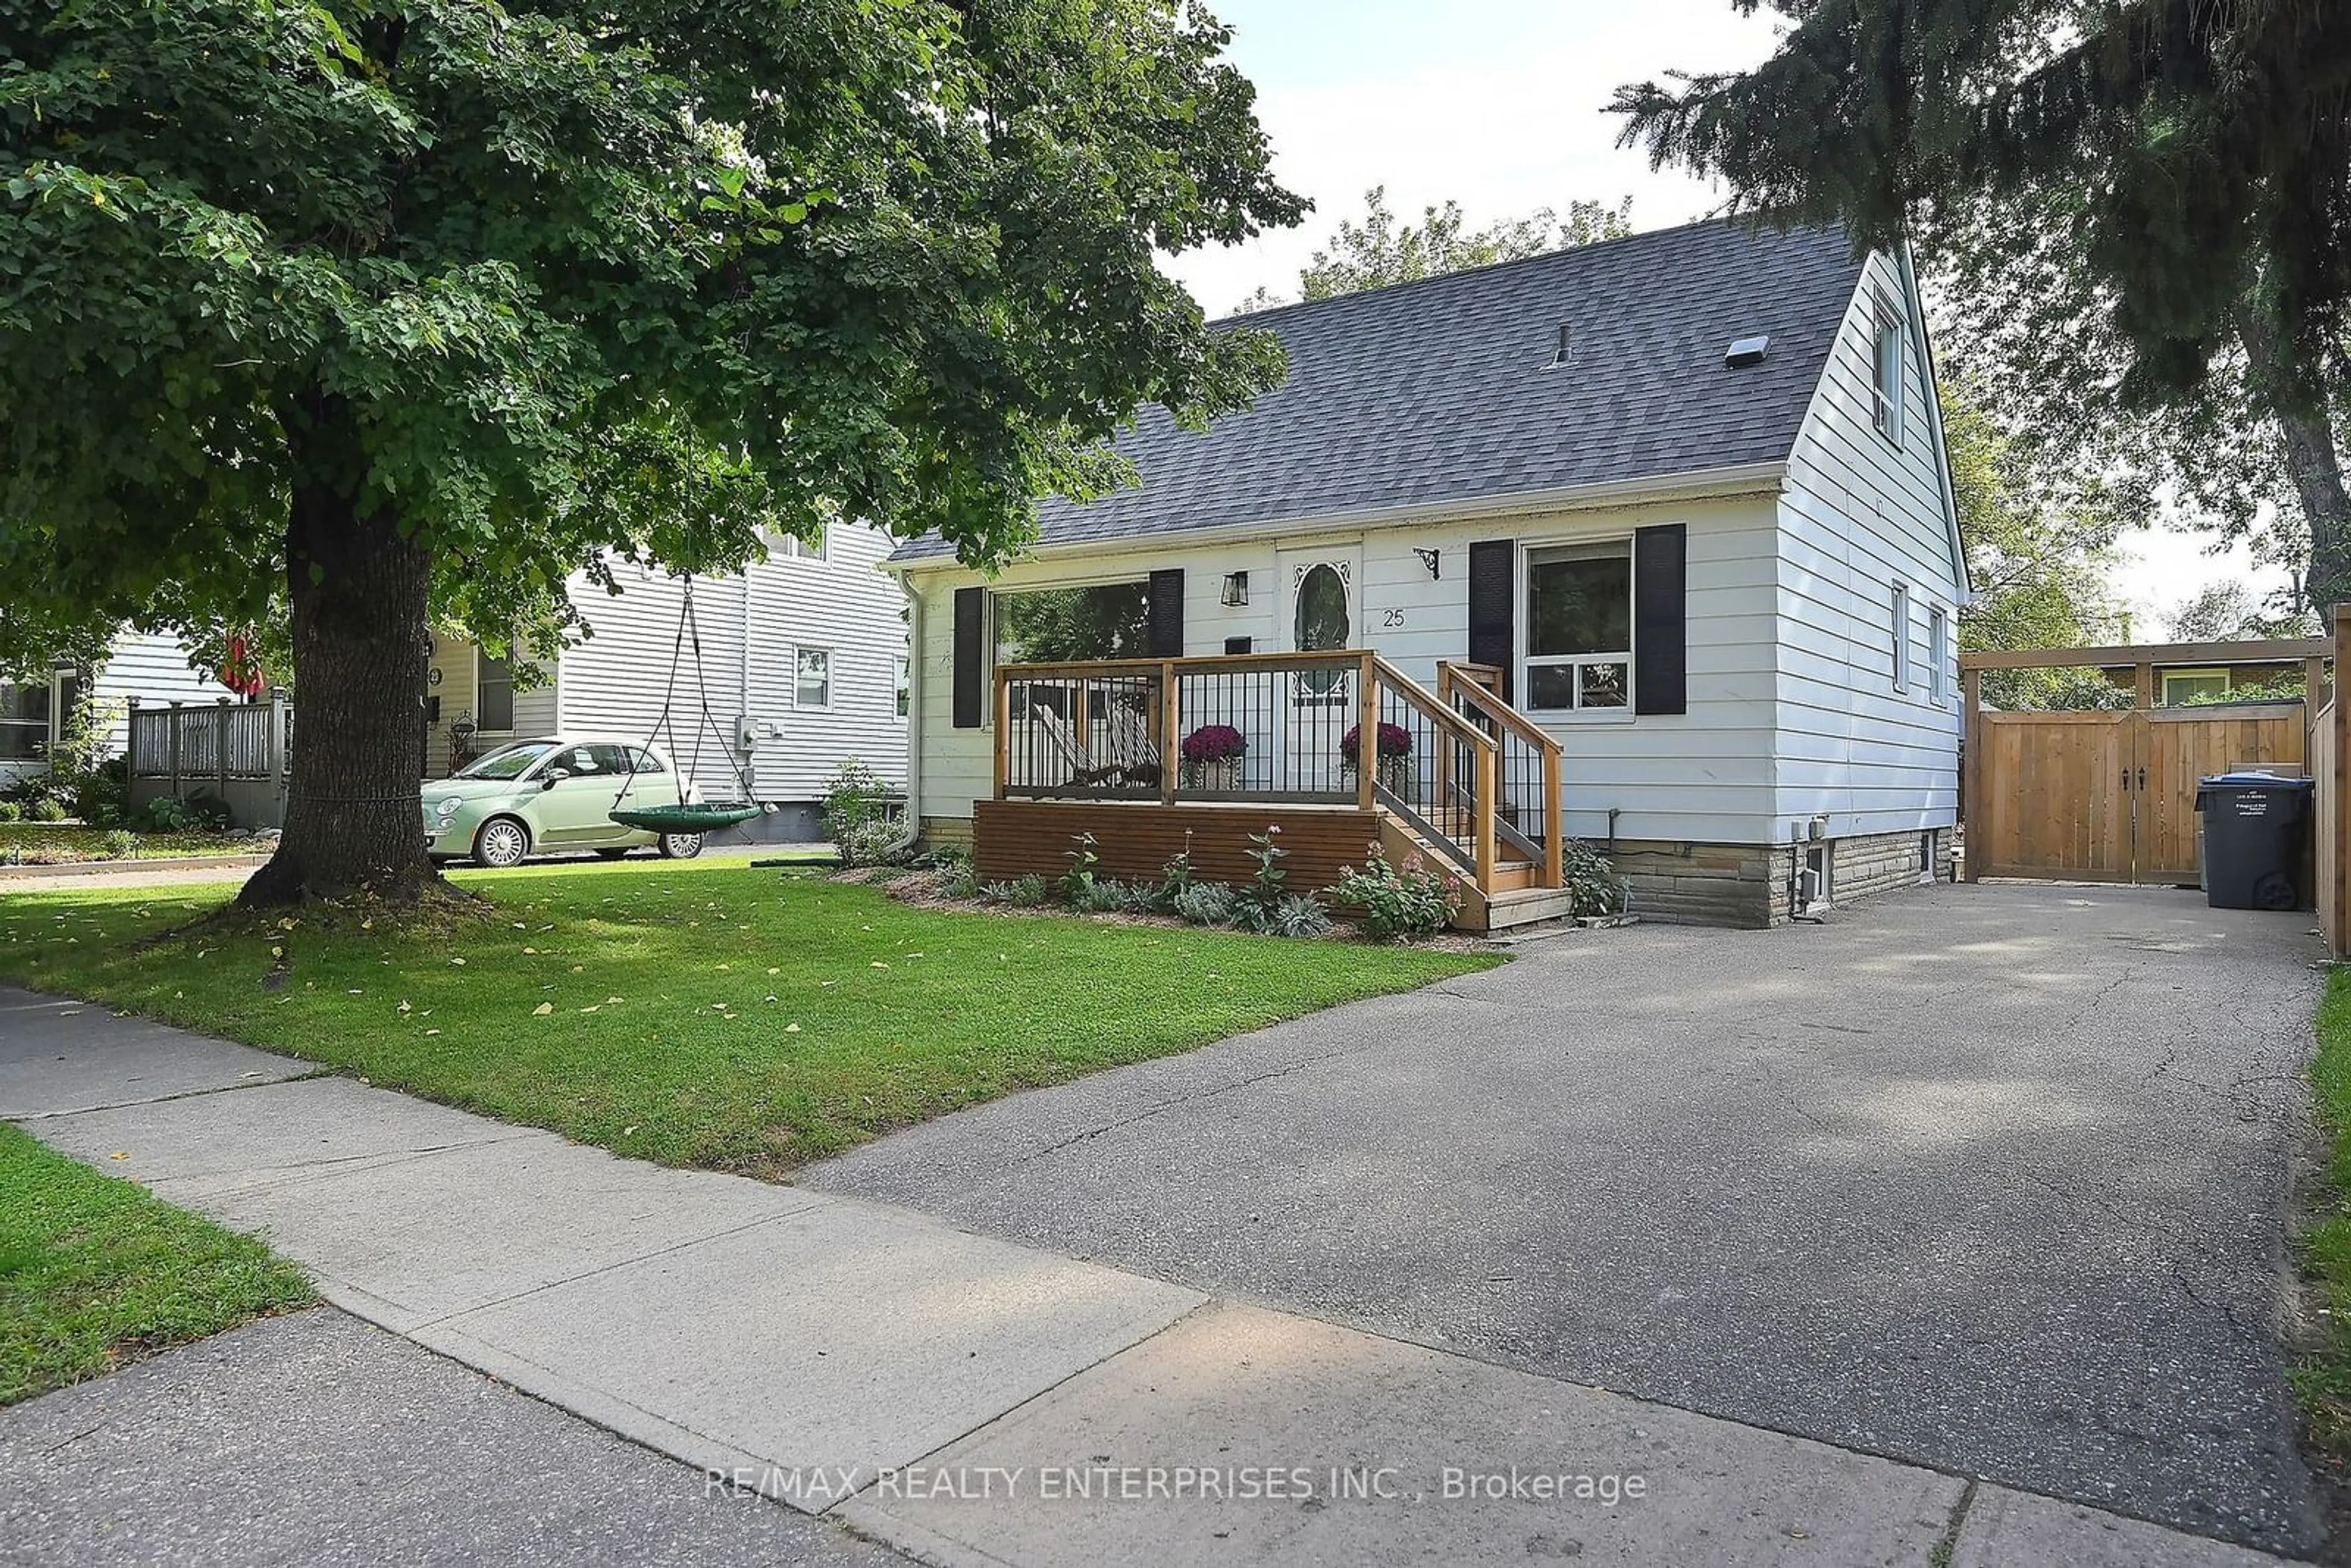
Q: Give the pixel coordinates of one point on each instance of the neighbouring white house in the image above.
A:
(1649, 544)
(803, 661)
(153, 668)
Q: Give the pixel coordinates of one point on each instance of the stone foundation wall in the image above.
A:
(1740, 885)
(1859, 867)
(1747, 886)
(946, 833)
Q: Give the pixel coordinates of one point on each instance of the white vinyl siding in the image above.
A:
(842, 603)
(1859, 514)
(1705, 775)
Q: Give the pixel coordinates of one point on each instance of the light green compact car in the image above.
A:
(546, 796)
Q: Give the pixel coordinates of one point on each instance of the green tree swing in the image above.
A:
(688, 817)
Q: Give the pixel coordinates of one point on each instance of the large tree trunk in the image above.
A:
(2296, 398)
(362, 646)
(2311, 462)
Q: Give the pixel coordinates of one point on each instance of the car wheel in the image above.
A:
(503, 841)
(611, 854)
(680, 846)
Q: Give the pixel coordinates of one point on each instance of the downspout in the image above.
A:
(912, 827)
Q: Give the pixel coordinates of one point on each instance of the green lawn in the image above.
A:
(705, 1015)
(70, 843)
(94, 1271)
(2323, 1376)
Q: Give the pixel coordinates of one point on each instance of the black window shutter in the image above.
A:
(1167, 613)
(1493, 603)
(970, 627)
(1661, 619)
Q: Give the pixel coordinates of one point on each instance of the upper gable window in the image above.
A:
(791, 547)
(1885, 379)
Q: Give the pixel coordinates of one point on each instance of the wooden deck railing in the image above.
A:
(1469, 774)
(1531, 767)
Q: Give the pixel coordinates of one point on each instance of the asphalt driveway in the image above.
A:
(1991, 1177)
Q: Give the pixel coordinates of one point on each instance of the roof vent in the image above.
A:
(1746, 352)
(1560, 355)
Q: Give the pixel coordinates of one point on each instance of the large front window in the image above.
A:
(1070, 626)
(1580, 627)
(24, 722)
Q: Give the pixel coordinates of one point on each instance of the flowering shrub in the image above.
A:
(1394, 741)
(1214, 742)
(1399, 902)
(1598, 889)
(860, 814)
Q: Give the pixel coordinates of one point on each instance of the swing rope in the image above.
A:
(682, 817)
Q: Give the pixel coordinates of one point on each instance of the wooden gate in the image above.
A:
(2111, 796)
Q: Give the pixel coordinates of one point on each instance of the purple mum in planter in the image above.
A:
(1214, 742)
(1395, 740)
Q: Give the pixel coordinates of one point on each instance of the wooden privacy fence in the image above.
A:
(2110, 796)
(236, 752)
(2330, 754)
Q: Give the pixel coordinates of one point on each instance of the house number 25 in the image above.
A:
(1391, 619)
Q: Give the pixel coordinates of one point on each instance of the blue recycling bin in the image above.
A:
(2256, 826)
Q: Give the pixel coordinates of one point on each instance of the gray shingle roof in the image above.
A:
(1443, 391)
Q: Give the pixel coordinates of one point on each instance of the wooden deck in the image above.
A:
(1339, 749)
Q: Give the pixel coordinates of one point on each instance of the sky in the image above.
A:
(1502, 105)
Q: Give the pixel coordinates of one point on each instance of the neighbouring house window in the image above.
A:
(1938, 654)
(2181, 687)
(24, 722)
(1579, 626)
(906, 683)
(1901, 631)
(1885, 371)
(494, 690)
(815, 684)
(791, 547)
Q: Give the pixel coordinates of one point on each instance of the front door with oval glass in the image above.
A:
(1319, 612)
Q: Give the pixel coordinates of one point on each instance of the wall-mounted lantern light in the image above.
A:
(1428, 559)
(1235, 588)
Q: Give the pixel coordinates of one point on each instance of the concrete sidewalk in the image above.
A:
(968, 1399)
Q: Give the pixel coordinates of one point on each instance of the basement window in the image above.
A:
(1580, 627)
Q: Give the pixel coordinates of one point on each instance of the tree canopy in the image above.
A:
(2184, 167)
(410, 309)
(1380, 250)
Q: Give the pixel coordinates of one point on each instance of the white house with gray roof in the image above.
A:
(1679, 502)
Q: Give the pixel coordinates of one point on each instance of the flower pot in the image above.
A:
(1222, 776)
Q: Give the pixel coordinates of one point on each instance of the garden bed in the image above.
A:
(75, 844)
